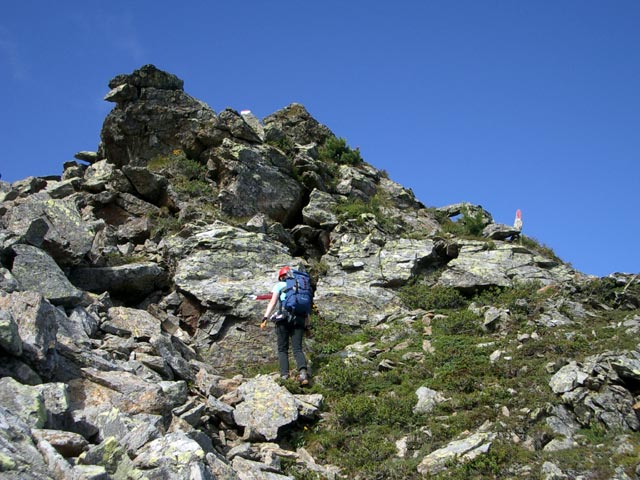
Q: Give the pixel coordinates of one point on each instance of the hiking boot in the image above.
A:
(303, 378)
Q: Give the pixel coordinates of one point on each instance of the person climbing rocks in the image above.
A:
(290, 327)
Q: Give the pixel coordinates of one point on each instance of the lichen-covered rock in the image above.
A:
(601, 389)
(24, 401)
(37, 326)
(479, 267)
(457, 452)
(19, 457)
(266, 407)
(61, 230)
(35, 270)
(359, 268)
(10, 340)
(176, 452)
(319, 212)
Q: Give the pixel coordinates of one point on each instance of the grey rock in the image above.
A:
(165, 349)
(37, 328)
(63, 233)
(498, 231)
(20, 457)
(8, 283)
(595, 391)
(67, 444)
(122, 93)
(132, 431)
(10, 340)
(427, 400)
(161, 119)
(123, 390)
(319, 212)
(295, 124)
(17, 369)
(87, 156)
(89, 321)
(102, 175)
(57, 405)
(266, 407)
(108, 454)
(478, 267)
(149, 185)
(175, 451)
(135, 280)
(238, 127)
(457, 451)
(138, 323)
(148, 76)
(461, 208)
(254, 123)
(24, 401)
(35, 270)
(550, 471)
(62, 189)
(274, 192)
(353, 291)
(252, 470)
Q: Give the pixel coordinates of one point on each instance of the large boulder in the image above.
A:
(243, 193)
(361, 268)
(132, 281)
(123, 390)
(37, 323)
(320, 211)
(35, 270)
(55, 225)
(154, 116)
(266, 407)
(479, 266)
(295, 124)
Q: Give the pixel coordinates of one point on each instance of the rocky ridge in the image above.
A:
(128, 311)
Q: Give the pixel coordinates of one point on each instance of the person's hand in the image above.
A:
(264, 323)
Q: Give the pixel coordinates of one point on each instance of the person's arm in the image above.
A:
(270, 307)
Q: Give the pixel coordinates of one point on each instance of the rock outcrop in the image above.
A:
(128, 293)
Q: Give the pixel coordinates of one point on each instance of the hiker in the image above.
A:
(290, 328)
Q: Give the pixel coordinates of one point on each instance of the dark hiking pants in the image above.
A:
(290, 334)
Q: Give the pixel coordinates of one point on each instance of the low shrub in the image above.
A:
(187, 175)
(469, 225)
(354, 208)
(420, 295)
(336, 150)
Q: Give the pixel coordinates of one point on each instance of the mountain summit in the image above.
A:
(443, 344)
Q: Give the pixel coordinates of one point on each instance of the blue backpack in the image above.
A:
(298, 293)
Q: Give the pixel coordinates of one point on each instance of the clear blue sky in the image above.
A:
(508, 104)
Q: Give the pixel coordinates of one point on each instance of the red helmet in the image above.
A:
(283, 272)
